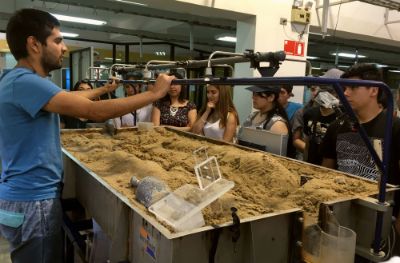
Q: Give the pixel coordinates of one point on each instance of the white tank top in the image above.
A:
(128, 120)
(213, 130)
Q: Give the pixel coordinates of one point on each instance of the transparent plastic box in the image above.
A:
(182, 208)
(207, 172)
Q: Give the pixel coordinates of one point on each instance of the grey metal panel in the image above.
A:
(141, 238)
(147, 244)
(272, 239)
(264, 238)
(102, 204)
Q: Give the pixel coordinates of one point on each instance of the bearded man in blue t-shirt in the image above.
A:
(30, 209)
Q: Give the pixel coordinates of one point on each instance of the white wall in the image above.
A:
(262, 32)
(354, 17)
(356, 20)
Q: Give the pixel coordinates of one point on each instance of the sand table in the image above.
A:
(263, 183)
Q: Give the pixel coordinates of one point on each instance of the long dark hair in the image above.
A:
(276, 109)
(182, 95)
(279, 110)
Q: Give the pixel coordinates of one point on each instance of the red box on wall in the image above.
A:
(294, 48)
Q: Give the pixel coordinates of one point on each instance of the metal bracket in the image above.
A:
(369, 254)
(255, 63)
(373, 204)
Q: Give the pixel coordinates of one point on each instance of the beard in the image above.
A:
(50, 63)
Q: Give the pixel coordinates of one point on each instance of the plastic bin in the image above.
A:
(182, 208)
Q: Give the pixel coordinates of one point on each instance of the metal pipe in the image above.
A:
(324, 26)
(268, 81)
(97, 69)
(245, 57)
(159, 62)
(386, 17)
(222, 53)
(140, 48)
(191, 37)
(392, 22)
(116, 67)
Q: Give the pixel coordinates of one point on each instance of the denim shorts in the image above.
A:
(33, 229)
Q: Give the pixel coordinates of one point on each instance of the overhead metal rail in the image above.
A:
(255, 58)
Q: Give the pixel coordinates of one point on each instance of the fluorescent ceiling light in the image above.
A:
(311, 57)
(316, 68)
(347, 55)
(131, 3)
(394, 71)
(381, 65)
(65, 34)
(343, 66)
(160, 53)
(227, 39)
(80, 20)
(117, 59)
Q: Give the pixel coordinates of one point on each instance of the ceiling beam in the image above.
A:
(146, 34)
(139, 33)
(151, 12)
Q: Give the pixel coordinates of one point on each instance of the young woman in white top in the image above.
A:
(140, 115)
(218, 119)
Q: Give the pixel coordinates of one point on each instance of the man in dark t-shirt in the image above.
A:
(343, 144)
(343, 148)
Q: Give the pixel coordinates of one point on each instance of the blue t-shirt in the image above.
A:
(291, 108)
(29, 138)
